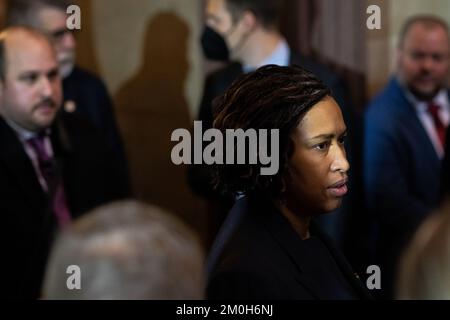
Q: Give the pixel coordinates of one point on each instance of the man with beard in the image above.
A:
(405, 129)
(83, 92)
(53, 165)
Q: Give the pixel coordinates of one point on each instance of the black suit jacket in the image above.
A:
(29, 225)
(264, 259)
(93, 102)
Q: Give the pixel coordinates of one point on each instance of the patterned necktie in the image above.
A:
(439, 126)
(55, 187)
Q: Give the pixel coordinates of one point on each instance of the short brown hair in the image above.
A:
(267, 12)
(23, 12)
(430, 21)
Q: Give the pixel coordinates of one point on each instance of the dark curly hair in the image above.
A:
(271, 97)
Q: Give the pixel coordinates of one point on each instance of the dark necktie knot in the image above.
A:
(433, 109)
(45, 161)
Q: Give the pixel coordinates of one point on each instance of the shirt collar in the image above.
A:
(441, 99)
(280, 56)
(22, 133)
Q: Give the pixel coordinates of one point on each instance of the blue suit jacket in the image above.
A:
(401, 172)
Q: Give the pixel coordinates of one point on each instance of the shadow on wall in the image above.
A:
(149, 107)
(2, 13)
(86, 57)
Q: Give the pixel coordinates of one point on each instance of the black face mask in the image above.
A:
(214, 45)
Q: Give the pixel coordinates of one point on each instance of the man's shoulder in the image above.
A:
(79, 73)
(7, 136)
(84, 78)
(250, 245)
(391, 99)
(78, 128)
(322, 71)
(225, 75)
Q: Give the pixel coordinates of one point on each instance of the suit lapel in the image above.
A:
(19, 165)
(412, 121)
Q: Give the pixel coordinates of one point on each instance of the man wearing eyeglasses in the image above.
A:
(84, 93)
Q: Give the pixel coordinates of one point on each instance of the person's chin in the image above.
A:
(333, 204)
(425, 93)
(66, 65)
(66, 69)
(45, 118)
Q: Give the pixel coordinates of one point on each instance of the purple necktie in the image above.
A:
(439, 126)
(55, 187)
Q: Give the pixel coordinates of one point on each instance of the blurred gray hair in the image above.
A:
(424, 272)
(127, 250)
(23, 12)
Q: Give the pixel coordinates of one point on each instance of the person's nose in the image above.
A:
(46, 87)
(428, 64)
(68, 41)
(340, 163)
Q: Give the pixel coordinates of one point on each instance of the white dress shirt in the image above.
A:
(421, 107)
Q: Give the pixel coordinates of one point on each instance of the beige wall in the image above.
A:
(148, 54)
(377, 44)
(118, 29)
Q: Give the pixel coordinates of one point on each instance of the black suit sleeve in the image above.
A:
(445, 183)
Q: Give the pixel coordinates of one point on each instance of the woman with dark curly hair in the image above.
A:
(275, 251)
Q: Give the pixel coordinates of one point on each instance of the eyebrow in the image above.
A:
(38, 72)
(328, 136)
(53, 71)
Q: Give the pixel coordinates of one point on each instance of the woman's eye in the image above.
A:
(321, 146)
(342, 139)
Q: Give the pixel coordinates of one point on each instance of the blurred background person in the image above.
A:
(276, 250)
(424, 271)
(127, 250)
(84, 93)
(53, 166)
(405, 129)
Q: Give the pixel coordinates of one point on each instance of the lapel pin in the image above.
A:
(70, 106)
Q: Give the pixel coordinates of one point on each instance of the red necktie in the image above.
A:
(54, 183)
(433, 109)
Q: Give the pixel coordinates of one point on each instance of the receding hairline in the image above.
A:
(8, 34)
(24, 30)
(429, 22)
